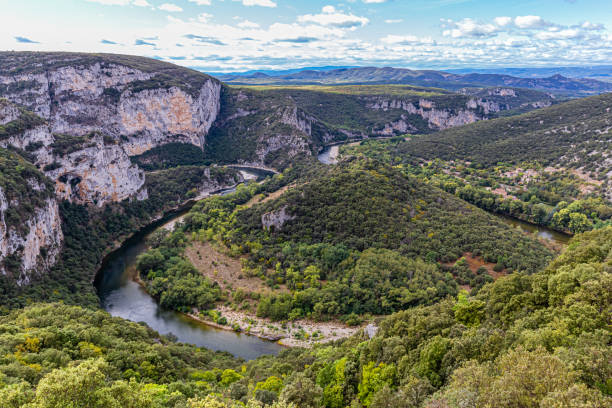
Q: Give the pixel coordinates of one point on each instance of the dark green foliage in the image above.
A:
(170, 155)
(555, 199)
(26, 121)
(251, 115)
(112, 93)
(17, 178)
(331, 226)
(63, 144)
(91, 232)
(52, 166)
(173, 280)
(44, 337)
(521, 340)
(569, 134)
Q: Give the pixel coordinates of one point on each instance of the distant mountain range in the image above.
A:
(556, 83)
(600, 72)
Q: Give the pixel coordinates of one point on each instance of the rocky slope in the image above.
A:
(30, 226)
(130, 104)
(137, 104)
(271, 125)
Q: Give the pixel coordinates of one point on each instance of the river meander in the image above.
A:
(122, 296)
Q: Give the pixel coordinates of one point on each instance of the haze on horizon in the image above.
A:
(241, 35)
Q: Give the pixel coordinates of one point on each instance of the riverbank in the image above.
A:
(227, 273)
(298, 333)
(155, 222)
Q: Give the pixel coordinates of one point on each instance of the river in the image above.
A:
(329, 155)
(541, 232)
(121, 296)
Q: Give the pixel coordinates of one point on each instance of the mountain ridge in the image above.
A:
(432, 78)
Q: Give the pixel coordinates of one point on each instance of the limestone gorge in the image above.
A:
(83, 118)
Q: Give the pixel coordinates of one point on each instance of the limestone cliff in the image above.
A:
(132, 105)
(30, 226)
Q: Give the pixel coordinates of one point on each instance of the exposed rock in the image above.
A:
(35, 252)
(400, 126)
(438, 119)
(370, 330)
(301, 122)
(502, 92)
(276, 219)
(97, 174)
(78, 100)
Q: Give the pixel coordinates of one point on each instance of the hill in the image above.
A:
(549, 167)
(273, 124)
(517, 343)
(127, 106)
(342, 251)
(600, 72)
(428, 78)
(574, 134)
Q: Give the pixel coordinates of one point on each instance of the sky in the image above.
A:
(241, 35)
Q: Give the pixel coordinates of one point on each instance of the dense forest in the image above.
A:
(523, 341)
(567, 200)
(90, 232)
(342, 252)
(400, 243)
(572, 134)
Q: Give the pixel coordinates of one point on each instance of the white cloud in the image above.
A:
(530, 22)
(394, 21)
(373, 1)
(587, 25)
(204, 17)
(468, 28)
(262, 3)
(240, 44)
(112, 2)
(406, 39)
(201, 2)
(248, 24)
(171, 8)
(502, 21)
(331, 17)
(564, 34)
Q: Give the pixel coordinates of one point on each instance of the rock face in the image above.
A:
(33, 241)
(274, 220)
(130, 110)
(437, 118)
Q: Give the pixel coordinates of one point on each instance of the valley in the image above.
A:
(318, 239)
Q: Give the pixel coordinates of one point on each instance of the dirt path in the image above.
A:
(260, 198)
(227, 272)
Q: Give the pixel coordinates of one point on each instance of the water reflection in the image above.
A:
(121, 296)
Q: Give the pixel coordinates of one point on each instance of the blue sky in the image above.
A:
(236, 35)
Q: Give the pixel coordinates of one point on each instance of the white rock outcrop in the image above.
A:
(438, 119)
(276, 219)
(35, 251)
(78, 100)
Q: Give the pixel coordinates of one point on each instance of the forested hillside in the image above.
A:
(574, 134)
(395, 256)
(91, 233)
(342, 251)
(550, 167)
(525, 340)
